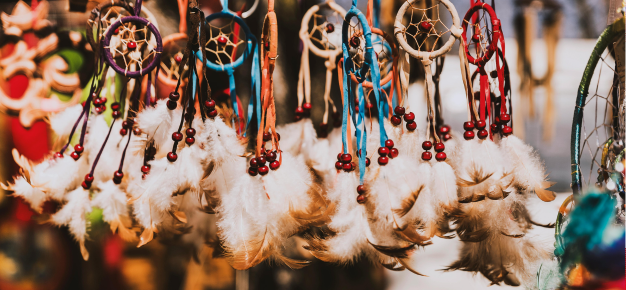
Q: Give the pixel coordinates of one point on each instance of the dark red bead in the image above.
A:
(494, 128)
(297, 118)
(89, 178)
(447, 137)
(118, 174)
(307, 106)
(252, 171)
(339, 165)
(176, 136)
(94, 95)
(274, 165)
(426, 145)
(260, 161)
(267, 137)
(210, 104)
(212, 114)
(505, 118)
(444, 129)
(174, 96)
(468, 135)
(339, 156)
(123, 132)
(125, 124)
(346, 158)
(131, 45)
(347, 166)
(482, 134)
(97, 101)
(330, 28)
(389, 143)
(270, 156)
(117, 30)
(395, 120)
(116, 106)
(190, 140)
(178, 58)
(190, 132)
(441, 156)
(137, 131)
(367, 162)
(85, 185)
(427, 155)
(409, 117)
(353, 166)
(58, 155)
(171, 105)
(476, 38)
(355, 41)
(222, 39)
(172, 156)
(79, 148)
(299, 110)
(277, 137)
(411, 126)
(507, 130)
(383, 151)
(253, 163)
(383, 160)
(439, 147)
(116, 114)
(145, 169)
(360, 189)
(481, 125)
(360, 199)
(369, 106)
(100, 109)
(425, 26)
(263, 170)
(399, 111)
(393, 152)
(468, 125)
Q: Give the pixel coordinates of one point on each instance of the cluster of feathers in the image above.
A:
(478, 194)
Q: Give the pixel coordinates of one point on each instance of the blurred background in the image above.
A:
(34, 255)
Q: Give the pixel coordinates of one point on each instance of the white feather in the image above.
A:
(30, 194)
(63, 122)
(73, 215)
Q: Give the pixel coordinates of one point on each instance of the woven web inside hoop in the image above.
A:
(224, 52)
(380, 47)
(319, 34)
(425, 40)
(132, 59)
(112, 14)
(482, 28)
(169, 64)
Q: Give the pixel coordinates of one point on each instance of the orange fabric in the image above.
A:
(182, 12)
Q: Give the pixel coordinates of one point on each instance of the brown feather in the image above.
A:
(543, 194)
(83, 251)
(318, 212)
(477, 176)
(393, 266)
(406, 264)
(251, 254)
(411, 234)
(394, 251)
(179, 216)
(408, 202)
(209, 169)
(125, 233)
(146, 236)
(212, 199)
(291, 263)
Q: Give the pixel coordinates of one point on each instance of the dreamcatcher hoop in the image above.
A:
(480, 61)
(96, 13)
(605, 39)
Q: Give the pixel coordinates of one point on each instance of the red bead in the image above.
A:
(482, 134)
(369, 106)
(481, 125)
(79, 148)
(97, 101)
(346, 158)
(252, 171)
(383, 160)
(426, 145)
(174, 96)
(339, 156)
(299, 110)
(425, 26)
(360, 199)
(307, 106)
(176, 136)
(190, 140)
(116, 106)
(117, 30)
(353, 166)
(468, 126)
(85, 185)
(212, 114)
(118, 175)
(137, 131)
(494, 128)
(178, 58)
(439, 147)
(99, 109)
(209, 104)
(270, 156)
(263, 170)
(441, 156)
(338, 165)
(395, 120)
(103, 100)
(427, 155)
(468, 135)
(190, 132)
(131, 45)
(260, 161)
(347, 166)
(274, 165)
(507, 130)
(476, 38)
(383, 151)
(123, 132)
(171, 104)
(389, 143)
(222, 39)
(444, 129)
(58, 155)
(89, 178)
(447, 137)
(360, 189)
(145, 169)
(253, 163)
(409, 117)
(277, 137)
(393, 152)
(505, 118)
(116, 114)
(411, 126)
(399, 111)
(330, 28)
(267, 137)
(172, 156)
(355, 41)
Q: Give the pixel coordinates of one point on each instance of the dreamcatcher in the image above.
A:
(52, 65)
(525, 29)
(42, 182)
